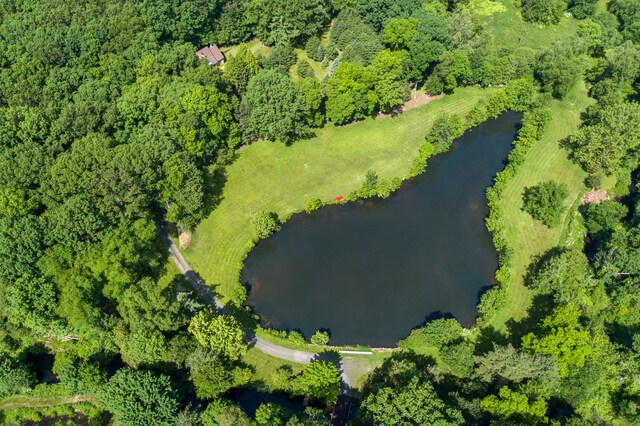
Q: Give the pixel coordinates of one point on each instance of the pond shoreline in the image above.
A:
(292, 219)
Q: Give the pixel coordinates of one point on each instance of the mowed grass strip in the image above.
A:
(545, 161)
(281, 179)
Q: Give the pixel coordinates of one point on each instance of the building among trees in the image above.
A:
(212, 54)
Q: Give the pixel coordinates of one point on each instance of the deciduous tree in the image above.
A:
(219, 333)
(321, 380)
(545, 202)
(137, 397)
(278, 109)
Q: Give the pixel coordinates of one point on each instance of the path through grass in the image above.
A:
(27, 401)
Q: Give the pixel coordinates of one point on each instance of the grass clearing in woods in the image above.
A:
(269, 176)
(281, 179)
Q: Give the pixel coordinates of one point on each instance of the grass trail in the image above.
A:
(545, 161)
(26, 401)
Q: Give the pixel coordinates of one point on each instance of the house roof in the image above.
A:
(212, 53)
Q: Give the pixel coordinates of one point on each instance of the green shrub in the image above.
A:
(239, 294)
(313, 205)
(320, 338)
(369, 185)
(581, 9)
(459, 358)
(78, 376)
(140, 397)
(15, 377)
(314, 50)
(304, 70)
(477, 114)
(270, 414)
(420, 163)
(444, 130)
(497, 103)
(437, 333)
(545, 202)
(264, 224)
(520, 94)
(386, 187)
(593, 181)
(275, 333)
(494, 300)
(623, 182)
(221, 411)
(296, 337)
(374, 187)
(281, 58)
(546, 12)
(321, 380)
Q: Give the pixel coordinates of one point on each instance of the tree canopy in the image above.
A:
(137, 397)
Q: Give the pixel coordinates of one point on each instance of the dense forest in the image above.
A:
(113, 134)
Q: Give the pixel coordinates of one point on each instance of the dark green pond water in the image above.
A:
(371, 271)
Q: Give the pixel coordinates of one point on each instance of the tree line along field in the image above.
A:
(113, 133)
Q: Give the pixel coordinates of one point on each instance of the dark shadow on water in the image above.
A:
(42, 364)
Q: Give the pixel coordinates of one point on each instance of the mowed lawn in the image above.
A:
(510, 30)
(281, 179)
(545, 161)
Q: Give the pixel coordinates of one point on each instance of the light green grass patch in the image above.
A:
(486, 7)
(358, 367)
(254, 45)
(315, 66)
(264, 366)
(510, 30)
(28, 401)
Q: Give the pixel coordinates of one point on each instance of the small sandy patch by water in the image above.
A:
(184, 240)
(595, 197)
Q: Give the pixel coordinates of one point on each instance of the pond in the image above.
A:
(371, 271)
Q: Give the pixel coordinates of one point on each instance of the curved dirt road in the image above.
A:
(268, 348)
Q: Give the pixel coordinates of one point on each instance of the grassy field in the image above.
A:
(281, 179)
(545, 161)
(264, 366)
(509, 30)
(319, 71)
(255, 46)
